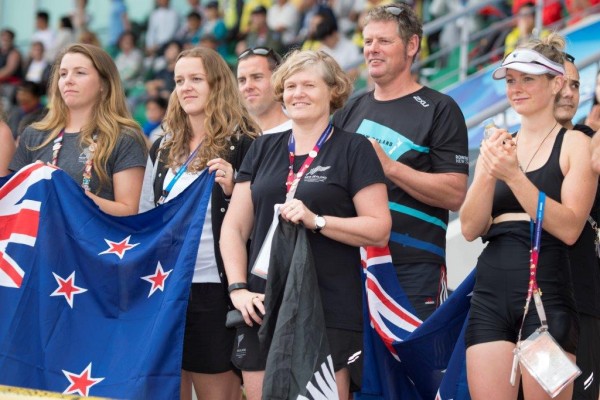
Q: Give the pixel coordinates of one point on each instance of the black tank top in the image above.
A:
(548, 179)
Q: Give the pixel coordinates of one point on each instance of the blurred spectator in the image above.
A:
(195, 5)
(357, 37)
(29, 108)
(129, 60)
(43, 33)
(524, 29)
(80, 18)
(579, 9)
(37, 68)
(156, 108)
(490, 48)
(347, 12)
(161, 79)
(552, 10)
(189, 35)
(259, 33)
(346, 53)
(214, 25)
(309, 8)
(65, 35)
(450, 34)
(7, 145)
(118, 22)
(10, 58)
(89, 37)
(312, 42)
(162, 26)
(283, 17)
(593, 118)
(209, 41)
(249, 6)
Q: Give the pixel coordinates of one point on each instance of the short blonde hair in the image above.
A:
(331, 72)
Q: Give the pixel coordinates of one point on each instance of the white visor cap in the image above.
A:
(529, 62)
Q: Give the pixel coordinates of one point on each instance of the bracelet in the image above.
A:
(237, 286)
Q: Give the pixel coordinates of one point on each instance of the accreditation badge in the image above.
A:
(261, 264)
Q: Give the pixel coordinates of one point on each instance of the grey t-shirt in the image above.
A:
(128, 153)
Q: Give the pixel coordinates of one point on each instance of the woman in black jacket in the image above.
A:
(208, 130)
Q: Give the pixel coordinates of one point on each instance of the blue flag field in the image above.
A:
(91, 304)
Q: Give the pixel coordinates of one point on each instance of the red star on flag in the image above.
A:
(81, 384)
(67, 288)
(118, 248)
(157, 280)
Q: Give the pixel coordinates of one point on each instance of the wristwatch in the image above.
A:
(319, 223)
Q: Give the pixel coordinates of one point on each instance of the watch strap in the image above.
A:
(237, 286)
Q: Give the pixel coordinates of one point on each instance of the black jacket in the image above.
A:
(219, 202)
(293, 330)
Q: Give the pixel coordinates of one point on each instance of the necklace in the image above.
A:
(536, 151)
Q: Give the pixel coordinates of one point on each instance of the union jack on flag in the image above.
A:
(405, 358)
(19, 221)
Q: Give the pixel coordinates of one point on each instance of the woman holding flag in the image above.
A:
(88, 131)
(207, 131)
(328, 180)
(541, 173)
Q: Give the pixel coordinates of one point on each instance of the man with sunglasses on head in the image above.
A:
(254, 70)
(585, 265)
(420, 137)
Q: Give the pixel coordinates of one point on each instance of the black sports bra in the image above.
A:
(548, 179)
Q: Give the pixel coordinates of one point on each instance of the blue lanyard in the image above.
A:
(536, 228)
(178, 175)
(536, 238)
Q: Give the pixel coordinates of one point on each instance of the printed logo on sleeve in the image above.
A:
(461, 159)
(422, 102)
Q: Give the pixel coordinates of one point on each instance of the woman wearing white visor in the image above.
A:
(511, 172)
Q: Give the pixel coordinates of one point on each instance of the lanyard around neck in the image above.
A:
(294, 179)
(89, 163)
(178, 175)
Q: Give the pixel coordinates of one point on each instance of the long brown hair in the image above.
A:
(110, 116)
(225, 114)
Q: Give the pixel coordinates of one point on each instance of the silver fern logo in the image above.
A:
(322, 385)
(316, 174)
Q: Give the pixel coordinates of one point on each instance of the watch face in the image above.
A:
(320, 222)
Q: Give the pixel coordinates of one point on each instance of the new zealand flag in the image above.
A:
(405, 358)
(91, 304)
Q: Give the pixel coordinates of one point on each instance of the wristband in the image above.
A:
(237, 286)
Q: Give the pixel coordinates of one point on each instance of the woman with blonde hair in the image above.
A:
(513, 173)
(340, 196)
(88, 131)
(207, 130)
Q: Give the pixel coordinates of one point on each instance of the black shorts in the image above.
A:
(502, 280)
(346, 352)
(207, 343)
(425, 285)
(587, 385)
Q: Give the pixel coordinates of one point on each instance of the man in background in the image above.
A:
(255, 67)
